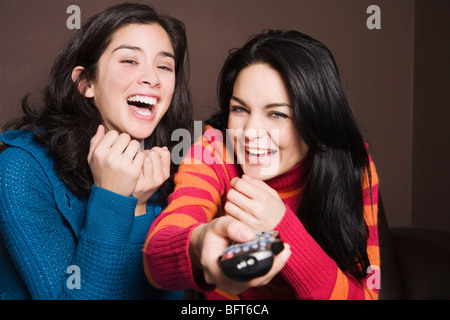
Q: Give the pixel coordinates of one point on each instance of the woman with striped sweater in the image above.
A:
(284, 153)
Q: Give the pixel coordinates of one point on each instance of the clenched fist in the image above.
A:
(115, 161)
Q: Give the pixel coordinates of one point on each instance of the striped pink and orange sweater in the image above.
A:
(202, 183)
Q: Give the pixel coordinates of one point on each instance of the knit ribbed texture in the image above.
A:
(202, 183)
(45, 230)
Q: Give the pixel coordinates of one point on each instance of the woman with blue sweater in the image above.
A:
(82, 180)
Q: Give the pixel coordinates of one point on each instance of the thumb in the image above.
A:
(234, 229)
(281, 259)
(95, 140)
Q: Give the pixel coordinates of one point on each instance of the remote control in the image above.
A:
(245, 261)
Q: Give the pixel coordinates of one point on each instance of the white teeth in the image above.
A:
(143, 99)
(144, 111)
(258, 151)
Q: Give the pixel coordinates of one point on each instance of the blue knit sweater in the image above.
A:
(54, 245)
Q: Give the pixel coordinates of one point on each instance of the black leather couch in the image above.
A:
(415, 262)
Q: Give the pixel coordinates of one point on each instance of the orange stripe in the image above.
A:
(209, 208)
(340, 291)
(188, 180)
(288, 194)
(196, 168)
(371, 214)
(227, 295)
(374, 176)
(216, 151)
(374, 255)
(370, 294)
(174, 219)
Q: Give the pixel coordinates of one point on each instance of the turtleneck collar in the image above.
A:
(289, 180)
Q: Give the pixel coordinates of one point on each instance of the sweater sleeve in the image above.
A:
(313, 274)
(199, 188)
(43, 248)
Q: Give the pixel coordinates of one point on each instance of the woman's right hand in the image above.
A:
(208, 241)
(115, 161)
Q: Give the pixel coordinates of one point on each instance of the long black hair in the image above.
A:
(69, 120)
(332, 206)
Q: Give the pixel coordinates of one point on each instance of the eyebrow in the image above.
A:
(134, 48)
(270, 105)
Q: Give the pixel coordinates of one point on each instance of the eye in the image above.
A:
(164, 67)
(129, 61)
(278, 115)
(238, 109)
(166, 63)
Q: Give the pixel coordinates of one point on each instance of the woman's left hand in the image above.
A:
(254, 203)
(155, 171)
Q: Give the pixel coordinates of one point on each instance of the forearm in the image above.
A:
(167, 259)
(311, 272)
(103, 250)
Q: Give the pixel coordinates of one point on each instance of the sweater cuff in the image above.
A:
(110, 216)
(168, 260)
(310, 271)
(167, 257)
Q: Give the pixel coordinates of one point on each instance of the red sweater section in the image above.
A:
(202, 184)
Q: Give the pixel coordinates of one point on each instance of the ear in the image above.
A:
(84, 86)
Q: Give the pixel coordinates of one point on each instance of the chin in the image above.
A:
(141, 133)
(259, 172)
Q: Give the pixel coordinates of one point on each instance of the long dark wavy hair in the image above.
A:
(331, 207)
(69, 120)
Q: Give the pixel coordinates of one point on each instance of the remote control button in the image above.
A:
(251, 261)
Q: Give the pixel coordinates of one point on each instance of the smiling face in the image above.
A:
(260, 124)
(135, 80)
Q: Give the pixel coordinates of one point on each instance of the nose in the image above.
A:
(150, 77)
(254, 134)
(254, 128)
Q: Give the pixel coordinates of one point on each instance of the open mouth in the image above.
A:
(259, 156)
(259, 152)
(144, 105)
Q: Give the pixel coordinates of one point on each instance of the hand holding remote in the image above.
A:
(245, 261)
(207, 244)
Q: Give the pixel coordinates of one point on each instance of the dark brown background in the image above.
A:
(396, 78)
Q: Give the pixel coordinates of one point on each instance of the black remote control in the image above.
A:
(245, 261)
